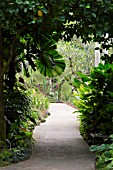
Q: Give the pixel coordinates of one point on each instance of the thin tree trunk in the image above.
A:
(2, 120)
(97, 54)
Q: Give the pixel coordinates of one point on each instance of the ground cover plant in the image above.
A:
(104, 155)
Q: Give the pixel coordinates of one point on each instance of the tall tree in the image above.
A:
(2, 120)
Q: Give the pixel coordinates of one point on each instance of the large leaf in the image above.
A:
(84, 77)
(76, 82)
(50, 63)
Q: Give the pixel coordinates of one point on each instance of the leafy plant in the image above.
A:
(95, 101)
(5, 157)
(66, 91)
(104, 155)
(22, 111)
(16, 154)
(40, 101)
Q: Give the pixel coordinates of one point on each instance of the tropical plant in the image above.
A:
(22, 113)
(18, 115)
(20, 122)
(94, 100)
(104, 155)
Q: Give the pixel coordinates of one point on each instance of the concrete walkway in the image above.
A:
(58, 144)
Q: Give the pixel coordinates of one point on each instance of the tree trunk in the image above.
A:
(97, 54)
(2, 120)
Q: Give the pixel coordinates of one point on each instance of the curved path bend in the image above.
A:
(58, 144)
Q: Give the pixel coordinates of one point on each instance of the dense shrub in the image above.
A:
(20, 119)
(95, 102)
(22, 111)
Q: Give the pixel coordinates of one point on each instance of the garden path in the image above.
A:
(58, 144)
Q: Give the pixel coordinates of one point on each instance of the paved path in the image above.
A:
(58, 144)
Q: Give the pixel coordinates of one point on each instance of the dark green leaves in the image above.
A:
(83, 76)
(94, 15)
(26, 2)
(104, 156)
(50, 63)
(61, 18)
(96, 103)
(87, 6)
(44, 10)
(76, 83)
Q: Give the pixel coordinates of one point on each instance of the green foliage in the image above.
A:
(66, 91)
(90, 18)
(25, 27)
(81, 54)
(104, 155)
(18, 114)
(50, 63)
(41, 55)
(22, 109)
(5, 157)
(39, 88)
(78, 57)
(14, 155)
(40, 102)
(43, 21)
(95, 100)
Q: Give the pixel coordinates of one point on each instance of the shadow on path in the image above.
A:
(58, 144)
